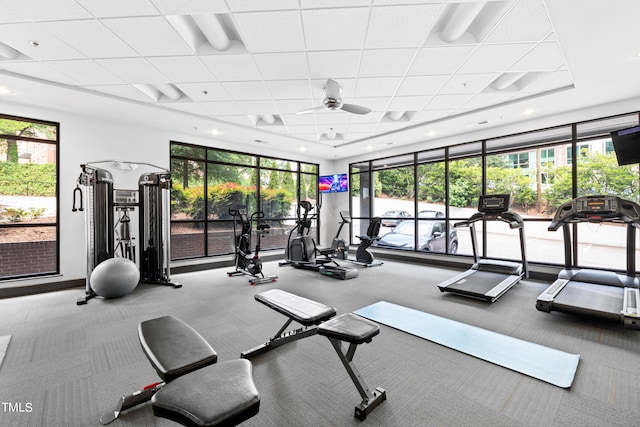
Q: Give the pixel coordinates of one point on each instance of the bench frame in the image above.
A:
(370, 398)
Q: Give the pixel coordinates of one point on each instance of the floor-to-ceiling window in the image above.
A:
(28, 197)
(208, 182)
(540, 170)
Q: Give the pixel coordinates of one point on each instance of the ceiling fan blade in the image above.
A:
(356, 109)
(332, 89)
(310, 110)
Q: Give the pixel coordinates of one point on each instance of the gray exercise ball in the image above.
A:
(115, 277)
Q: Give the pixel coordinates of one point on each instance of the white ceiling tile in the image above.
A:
(282, 66)
(207, 91)
(118, 8)
(439, 60)
(303, 129)
(333, 64)
(89, 37)
(181, 69)
(326, 117)
(298, 119)
(292, 106)
(39, 70)
(247, 90)
(385, 62)
(361, 127)
(339, 29)
(494, 58)
(278, 31)
(402, 2)
(133, 70)
(421, 85)
(222, 108)
(86, 72)
(188, 7)
(372, 117)
(232, 67)
(354, 136)
(320, 4)
(377, 103)
(122, 91)
(186, 107)
(390, 126)
(483, 100)
(289, 89)
(467, 83)
(553, 80)
(447, 102)
(401, 26)
(240, 120)
(527, 21)
(50, 10)
(21, 36)
(254, 5)
(10, 15)
(152, 36)
(408, 103)
(377, 86)
(431, 115)
(545, 56)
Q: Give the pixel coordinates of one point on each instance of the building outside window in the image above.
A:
(28, 197)
(208, 182)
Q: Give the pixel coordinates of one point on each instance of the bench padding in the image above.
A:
(304, 311)
(173, 347)
(350, 328)
(223, 394)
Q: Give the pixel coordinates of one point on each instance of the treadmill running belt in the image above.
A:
(479, 282)
(547, 364)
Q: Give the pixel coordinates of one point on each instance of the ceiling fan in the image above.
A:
(333, 101)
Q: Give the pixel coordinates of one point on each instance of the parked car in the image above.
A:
(431, 237)
(393, 218)
(430, 214)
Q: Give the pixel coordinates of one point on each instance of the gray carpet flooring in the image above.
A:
(68, 364)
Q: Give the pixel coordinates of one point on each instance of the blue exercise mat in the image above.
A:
(547, 364)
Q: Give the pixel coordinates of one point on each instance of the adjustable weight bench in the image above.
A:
(317, 318)
(195, 390)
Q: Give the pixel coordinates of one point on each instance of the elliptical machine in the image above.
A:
(301, 251)
(246, 263)
(339, 246)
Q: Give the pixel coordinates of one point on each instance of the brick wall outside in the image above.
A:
(23, 258)
(190, 245)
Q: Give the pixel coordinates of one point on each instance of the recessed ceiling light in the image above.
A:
(4, 90)
(369, 147)
(432, 132)
(303, 149)
(215, 132)
(638, 54)
(528, 111)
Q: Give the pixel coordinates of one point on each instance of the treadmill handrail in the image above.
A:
(618, 210)
(513, 219)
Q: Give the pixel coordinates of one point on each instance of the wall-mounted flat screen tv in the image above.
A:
(333, 183)
(626, 143)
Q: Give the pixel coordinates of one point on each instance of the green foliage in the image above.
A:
(19, 214)
(465, 178)
(275, 202)
(396, 183)
(28, 179)
(431, 183)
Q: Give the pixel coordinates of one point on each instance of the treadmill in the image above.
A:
(488, 279)
(590, 292)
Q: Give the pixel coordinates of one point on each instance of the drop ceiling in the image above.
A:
(242, 69)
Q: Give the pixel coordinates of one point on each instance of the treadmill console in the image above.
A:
(493, 204)
(596, 209)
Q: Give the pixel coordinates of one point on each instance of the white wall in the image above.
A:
(85, 139)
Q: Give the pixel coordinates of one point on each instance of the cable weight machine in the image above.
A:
(108, 237)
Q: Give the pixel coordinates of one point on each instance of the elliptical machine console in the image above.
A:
(247, 263)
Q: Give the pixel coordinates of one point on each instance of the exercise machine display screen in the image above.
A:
(496, 203)
(596, 205)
